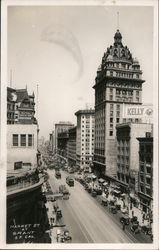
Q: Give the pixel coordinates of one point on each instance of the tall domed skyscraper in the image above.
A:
(118, 81)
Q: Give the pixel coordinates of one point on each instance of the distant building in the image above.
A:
(61, 127)
(52, 141)
(20, 107)
(85, 138)
(62, 141)
(71, 147)
(118, 81)
(145, 190)
(127, 153)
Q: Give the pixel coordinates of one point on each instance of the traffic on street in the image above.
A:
(85, 210)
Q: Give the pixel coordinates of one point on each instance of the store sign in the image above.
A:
(137, 111)
(24, 232)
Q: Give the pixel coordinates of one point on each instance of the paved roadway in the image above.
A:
(85, 218)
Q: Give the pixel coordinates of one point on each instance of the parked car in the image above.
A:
(134, 219)
(113, 209)
(147, 230)
(118, 206)
(104, 202)
(98, 190)
(94, 193)
(125, 219)
(135, 227)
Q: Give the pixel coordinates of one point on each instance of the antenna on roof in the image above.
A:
(118, 20)
(11, 78)
(37, 100)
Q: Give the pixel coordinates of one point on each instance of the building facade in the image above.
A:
(21, 145)
(85, 138)
(145, 190)
(25, 201)
(61, 127)
(127, 153)
(62, 141)
(20, 107)
(118, 81)
(71, 147)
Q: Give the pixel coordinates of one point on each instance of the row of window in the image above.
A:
(121, 74)
(146, 170)
(145, 190)
(146, 180)
(25, 140)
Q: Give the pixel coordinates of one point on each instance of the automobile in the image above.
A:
(125, 219)
(135, 227)
(86, 186)
(50, 198)
(63, 236)
(98, 190)
(70, 181)
(134, 219)
(58, 175)
(146, 230)
(118, 206)
(104, 201)
(71, 171)
(94, 193)
(58, 213)
(64, 191)
(78, 176)
(113, 209)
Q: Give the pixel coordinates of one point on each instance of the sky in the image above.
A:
(59, 48)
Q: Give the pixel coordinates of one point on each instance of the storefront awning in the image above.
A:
(105, 184)
(123, 195)
(101, 180)
(116, 192)
(94, 176)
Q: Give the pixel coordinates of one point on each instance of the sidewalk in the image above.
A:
(54, 225)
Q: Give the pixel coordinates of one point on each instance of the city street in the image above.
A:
(85, 218)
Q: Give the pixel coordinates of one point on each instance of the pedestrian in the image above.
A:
(132, 213)
(143, 217)
(131, 206)
(123, 204)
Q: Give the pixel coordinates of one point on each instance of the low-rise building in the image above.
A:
(127, 153)
(21, 145)
(145, 190)
(85, 138)
(71, 147)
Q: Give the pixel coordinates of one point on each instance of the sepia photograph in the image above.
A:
(79, 124)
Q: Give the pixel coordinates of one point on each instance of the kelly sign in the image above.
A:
(137, 111)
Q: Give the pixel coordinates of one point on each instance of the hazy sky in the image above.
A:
(60, 48)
